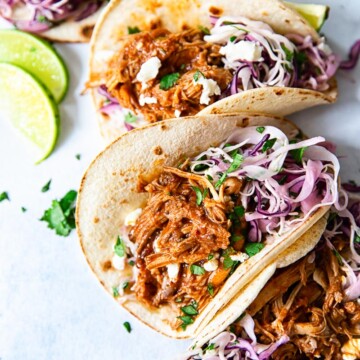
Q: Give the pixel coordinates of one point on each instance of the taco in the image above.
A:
(177, 217)
(63, 21)
(307, 310)
(154, 61)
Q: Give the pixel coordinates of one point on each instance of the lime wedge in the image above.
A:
(313, 13)
(26, 103)
(37, 57)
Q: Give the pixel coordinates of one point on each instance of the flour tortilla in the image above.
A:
(176, 15)
(67, 31)
(108, 193)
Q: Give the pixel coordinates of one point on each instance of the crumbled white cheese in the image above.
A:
(131, 218)
(242, 50)
(211, 265)
(210, 88)
(324, 47)
(240, 256)
(173, 271)
(177, 113)
(118, 262)
(148, 71)
(146, 100)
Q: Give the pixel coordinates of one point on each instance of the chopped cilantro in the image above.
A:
(133, 30)
(197, 74)
(268, 144)
(209, 177)
(189, 310)
(115, 291)
(211, 256)
(204, 29)
(232, 38)
(182, 66)
(46, 187)
(357, 238)
(239, 210)
(61, 216)
(338, 256)
(288, 53)
(130, 118)
(332, 216)
(235, 238)
(41, 18)
(253, 248)
(125, 285)
(119, 248)
(260, 129)
(186, 320)
(240, 317)
(210, 289)
(200, 195)
(4, 196)
(238, 159)
(232, 328)
(228, 262)
(178, 299)
(23, 209)
(131, 262)
(210, 347)
(197, 270)
(169, 80)
(298, 154)
(282, 180)
(78, 156)
(127, 326)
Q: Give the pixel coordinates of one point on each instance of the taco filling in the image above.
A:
(159, 75)
(309, 310)
(214, 211)
(44, 14)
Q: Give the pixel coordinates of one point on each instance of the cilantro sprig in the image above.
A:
(4, 196)
(169, 80)
(237, 161)
(253, 248)
(133, 30)
(61, 215)
(119, 247)
(46, 187)
(197, 270)
(200, 195)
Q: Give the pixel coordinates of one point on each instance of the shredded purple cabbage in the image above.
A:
(353, 57)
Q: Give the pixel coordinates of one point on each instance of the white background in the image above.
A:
(51, 306)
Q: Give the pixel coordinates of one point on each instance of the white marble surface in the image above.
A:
(51, 306)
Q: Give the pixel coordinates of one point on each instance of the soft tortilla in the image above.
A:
(108, 193)
(176, 15)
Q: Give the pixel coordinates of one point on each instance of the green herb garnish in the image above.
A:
(204, 29)
(253, 248)
(125, 285)
(288, 53)
(239, 211)
(4, 196)
(41, 18)
(338, 256)
(197, 270)
(238, 159)
(298, 154)
(115, 291)
(211, 256)
(200, 195)
(357, 238)
(127, 326)
(228, 262)
(178, 300)
(282, 180)
(232, 38)
(210, 289)
(189, 310)
(210, 347)
(78, 156)
(130, 118)
(119, 247)
(46, 187)
(186, 320)
(23, 209)
(133, 30)
(260, 129)
(61, 216)
(169, 80)
(268, 144)
(131, 262)
(197, 74)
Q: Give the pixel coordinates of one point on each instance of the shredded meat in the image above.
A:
(175, 230)
(183, 53)
(306, 302)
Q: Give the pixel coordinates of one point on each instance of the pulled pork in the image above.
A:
(306, 302)
(184, 53)
(176, 231)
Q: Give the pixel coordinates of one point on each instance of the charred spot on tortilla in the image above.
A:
(163, 127)
(87, 31)
(107, 265)
(215, 11)
(96, 220)
(279, 92)
(158, 150)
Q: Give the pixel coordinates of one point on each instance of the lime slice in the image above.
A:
(37, 57)
(26, 103)
(314, 14)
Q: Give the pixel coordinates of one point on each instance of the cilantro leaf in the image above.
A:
(232, 38)
(61, 215)
(119, 247)
(200, 195)
(197, 75)
(239, 211)
(125, 285)
(127, 326)
(268, 144)
(133, 30)
(210, 347)
(197, 270)
(78, 156)
(238, 159)
(169, 80)
(289, 55)
(189, 310)
(338, 256)
(4, 196)
(253, 248)
(130, 118)
(298, 154)
(357, 238)
(46, 187)
(186, 320)
(210, 289)
(115, 291)
(228, 262)
(260, 129)
(23, 209)
(204, 29)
